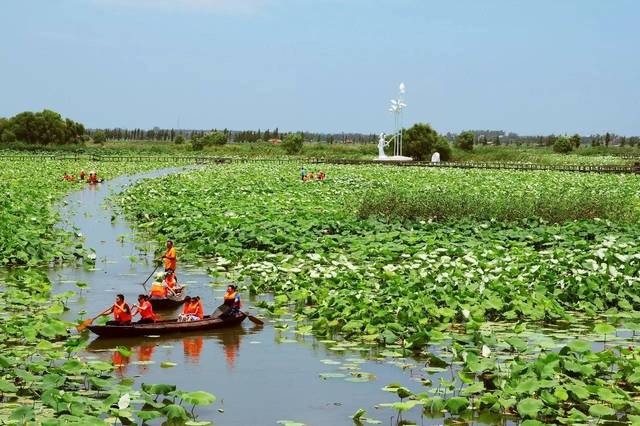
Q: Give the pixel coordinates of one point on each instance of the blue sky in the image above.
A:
(530, 66)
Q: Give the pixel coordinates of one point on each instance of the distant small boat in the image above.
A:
(169, 302)
(166, 327)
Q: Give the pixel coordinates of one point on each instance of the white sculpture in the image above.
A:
(396, 108)
(435, 158)
(382, 144)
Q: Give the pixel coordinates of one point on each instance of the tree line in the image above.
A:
(41, 128)
(238, 136)
(50, 128)
(499, 137)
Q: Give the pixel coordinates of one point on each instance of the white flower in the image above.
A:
(486, 351)
(466, 313)
(124, 401)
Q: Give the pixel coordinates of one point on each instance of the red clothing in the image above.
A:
(121, 313)
(146, 310)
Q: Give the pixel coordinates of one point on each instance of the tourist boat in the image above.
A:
(166, 327)
(169, 302)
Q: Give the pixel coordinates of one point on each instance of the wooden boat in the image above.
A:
(169, 302)
(166, 327)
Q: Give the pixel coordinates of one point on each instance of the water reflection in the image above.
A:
(192, 347)
(144, 349)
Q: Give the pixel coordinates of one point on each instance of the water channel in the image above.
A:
(260, 375)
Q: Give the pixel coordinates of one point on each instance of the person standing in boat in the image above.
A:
(169, 257)
(121, 312)
(145, 310)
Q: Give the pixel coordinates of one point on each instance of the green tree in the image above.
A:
(215, 138)
(420, 141)
(197, 143)
(99, 137)
(293, 143)
(575, 140)
(607, 139)
(443, 147)
(563, 145)
(178, 140)
(465, 141)
(7, 136)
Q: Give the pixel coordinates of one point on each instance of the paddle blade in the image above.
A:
(255, 320)
(85, 324)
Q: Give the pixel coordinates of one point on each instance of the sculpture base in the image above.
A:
(394, 158)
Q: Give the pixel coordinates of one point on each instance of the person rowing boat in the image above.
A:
(121, 312)
(145, 310)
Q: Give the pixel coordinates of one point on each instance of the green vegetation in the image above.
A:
(32, 188)
(43, 379)
(465, 141)
(293, 143)
(417, 284)
(40, 128)
(505, 196)
(422, 141)
(563, 145)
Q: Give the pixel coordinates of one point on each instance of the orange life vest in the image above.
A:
(158, 290)
(146, 310)
(121, 313)
(232, 299)
(199, 310)
(171, 280)
(194, 308)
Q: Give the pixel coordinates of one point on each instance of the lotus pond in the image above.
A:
(513, 309)
(374, 316)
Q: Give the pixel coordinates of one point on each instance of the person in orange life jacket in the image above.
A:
(82, 174)
(232, 300)
(158, 287)
(145, 310)
(186, 309)
(169, 257)
(171, 283)
(93, 177)
(192, 311)
(121, 312)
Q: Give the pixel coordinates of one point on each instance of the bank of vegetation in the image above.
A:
(43, 378)
(505, 197)
(435, 289)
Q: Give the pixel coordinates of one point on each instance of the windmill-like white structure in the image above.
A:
(396, 108)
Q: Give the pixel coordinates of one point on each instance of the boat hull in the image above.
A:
(169, 302)
(165, 327)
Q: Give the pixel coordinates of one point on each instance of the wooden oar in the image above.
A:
(144, 284)
(87, 323)
(254, 319)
